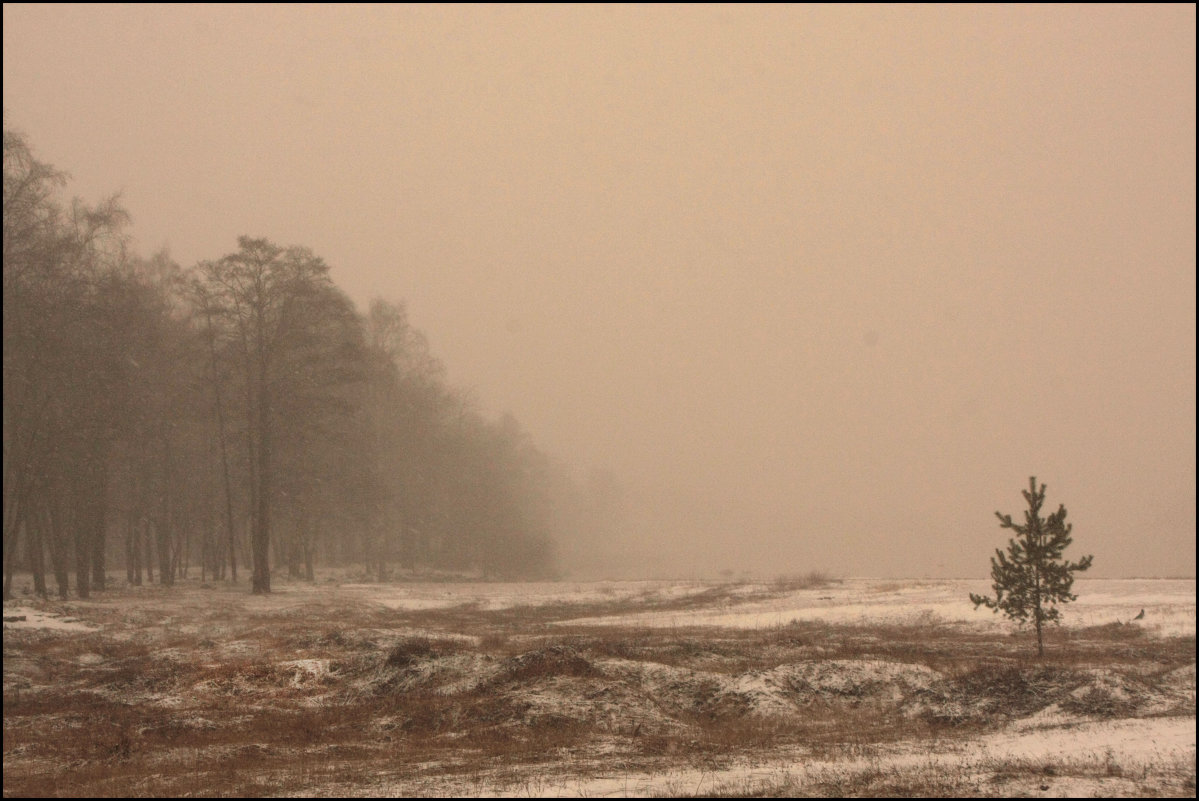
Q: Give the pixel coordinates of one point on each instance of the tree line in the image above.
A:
(237, 416)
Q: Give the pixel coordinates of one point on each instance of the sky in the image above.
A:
(820, 286)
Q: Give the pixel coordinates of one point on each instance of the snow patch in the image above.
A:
(1169, 606)
(36, 619)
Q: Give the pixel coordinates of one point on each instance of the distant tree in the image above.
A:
(407, 404)
(1033, 576)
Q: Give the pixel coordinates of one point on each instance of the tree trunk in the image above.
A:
(293, 560)
(262, 519)
(133, 560)
(147, 551)
(295, 544)
(165, 524)
(83, 564)
(223, 440)
(218, 564)
(82, 537)
(303, 544)
(1036, 572)
(37, 558)
(99, 569)
(17, 489)
(58, 548)
(99, 524)
(183, 555)
(162, 544)
(10, 559)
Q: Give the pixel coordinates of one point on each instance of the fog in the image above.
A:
(816, 288)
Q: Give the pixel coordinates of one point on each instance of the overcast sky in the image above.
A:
(822, 286)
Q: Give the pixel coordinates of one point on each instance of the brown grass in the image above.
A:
(205, 705)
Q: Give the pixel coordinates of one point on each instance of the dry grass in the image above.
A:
(204, 693)
(990, 779)
(806, 581)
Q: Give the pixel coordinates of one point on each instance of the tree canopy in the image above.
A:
(241, 409)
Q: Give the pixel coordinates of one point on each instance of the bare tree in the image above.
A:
(61, 363)
(272, 310)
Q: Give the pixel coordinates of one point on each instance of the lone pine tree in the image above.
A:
(1033, 577)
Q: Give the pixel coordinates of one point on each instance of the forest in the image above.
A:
(236, 417)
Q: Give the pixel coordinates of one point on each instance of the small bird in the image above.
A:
(1141, 615)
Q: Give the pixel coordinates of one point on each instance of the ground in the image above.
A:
(802, 686)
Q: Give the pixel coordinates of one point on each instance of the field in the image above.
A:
(800, 686)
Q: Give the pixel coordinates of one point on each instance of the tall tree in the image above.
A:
(273, 309)
(61, 355)
(203, 304)
(406, 403)
(1033, 577)
(32, 272)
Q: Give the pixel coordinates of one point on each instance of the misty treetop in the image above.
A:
(239, 411)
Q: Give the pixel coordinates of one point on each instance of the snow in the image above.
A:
(1169, 606)
(1089, 755)
(37, 619)
(492, 596)
(1129, 745)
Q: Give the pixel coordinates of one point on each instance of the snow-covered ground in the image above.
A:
(497, 595)
(1135, 746)
(213, 647)
(24, 617)
(1169, 606)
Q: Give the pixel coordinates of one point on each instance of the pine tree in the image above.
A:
(1033, 577)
